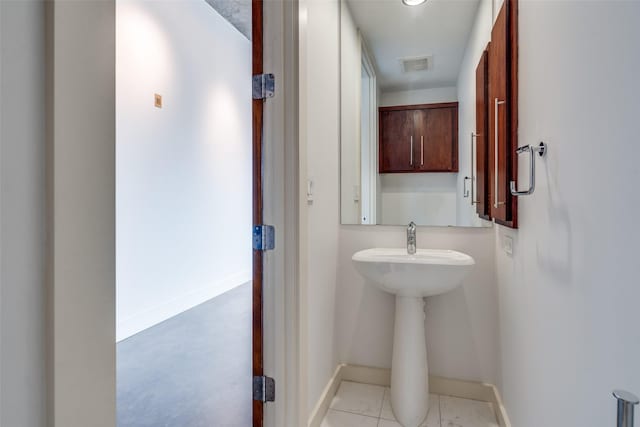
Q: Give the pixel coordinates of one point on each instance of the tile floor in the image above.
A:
(365, 405)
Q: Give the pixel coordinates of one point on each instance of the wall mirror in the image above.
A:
(402, 157)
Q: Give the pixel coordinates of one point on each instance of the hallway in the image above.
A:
(193, 369)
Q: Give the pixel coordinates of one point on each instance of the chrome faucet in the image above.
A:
(411, 238)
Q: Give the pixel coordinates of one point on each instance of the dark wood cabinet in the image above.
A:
(397, 145)
(418, 138)
(503, 114)
(482, 195)
(438, 129)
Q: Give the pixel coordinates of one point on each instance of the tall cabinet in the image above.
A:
(497, 137)
(482, 194)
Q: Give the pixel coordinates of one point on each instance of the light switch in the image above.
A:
(158, 100)
(356, 193)
(309, 190)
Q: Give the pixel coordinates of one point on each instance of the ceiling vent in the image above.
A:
(421, 63)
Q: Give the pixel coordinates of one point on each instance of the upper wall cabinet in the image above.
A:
(419, 138)
(503, 113)
(482, 194)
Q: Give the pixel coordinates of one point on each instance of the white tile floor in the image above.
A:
(365, 405)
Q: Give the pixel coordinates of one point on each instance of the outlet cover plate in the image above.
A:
(508, 245)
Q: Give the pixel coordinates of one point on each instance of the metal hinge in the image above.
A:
(264, 389)
(264, 237)
(264, 86)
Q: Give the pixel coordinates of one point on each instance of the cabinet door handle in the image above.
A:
(421, 150)
(473, 169)
(465, 192)
(496, 122)
(411, 153)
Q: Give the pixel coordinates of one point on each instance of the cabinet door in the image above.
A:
(397, 144)
(437, 139)
(482, 192)
(499, 148)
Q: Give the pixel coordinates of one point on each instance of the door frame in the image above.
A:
(283, 296)
(80, 105)
(372, 141)
(257, 113)
(283, 330)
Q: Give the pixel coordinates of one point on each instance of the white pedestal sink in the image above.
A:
(410, 278)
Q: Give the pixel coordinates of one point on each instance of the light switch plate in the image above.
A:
(508, 245)
(157, 100)
(309, 190)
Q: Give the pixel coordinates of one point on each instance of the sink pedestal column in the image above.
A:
(409, 377)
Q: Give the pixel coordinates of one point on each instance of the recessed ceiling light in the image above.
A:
(413, 2)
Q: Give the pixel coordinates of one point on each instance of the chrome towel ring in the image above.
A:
(541, 149)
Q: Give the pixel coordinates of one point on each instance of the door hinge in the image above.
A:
(264, 237)
(264, 86)
(264, 389)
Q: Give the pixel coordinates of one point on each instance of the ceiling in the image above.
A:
(237, 12)
(392, 31)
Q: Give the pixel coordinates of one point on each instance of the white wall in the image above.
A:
(22, 214)
(422, 198)
(418, 96)
(183, 171)
(569, 296)
(322, 101)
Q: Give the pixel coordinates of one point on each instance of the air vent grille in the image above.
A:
(421, 63)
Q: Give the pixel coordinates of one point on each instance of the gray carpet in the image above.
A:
(191, 370)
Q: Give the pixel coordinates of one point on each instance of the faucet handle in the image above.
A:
(411, 238)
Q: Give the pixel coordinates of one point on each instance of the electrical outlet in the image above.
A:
(508, 245)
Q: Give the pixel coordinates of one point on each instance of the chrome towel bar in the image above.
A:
(541, 149)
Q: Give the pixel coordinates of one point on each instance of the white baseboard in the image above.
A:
(183, 302)
(501, 411)
(329, 391)
(438, 385)
(471, 390)
(367, 375)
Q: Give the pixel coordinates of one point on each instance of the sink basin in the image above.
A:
(426, 273)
